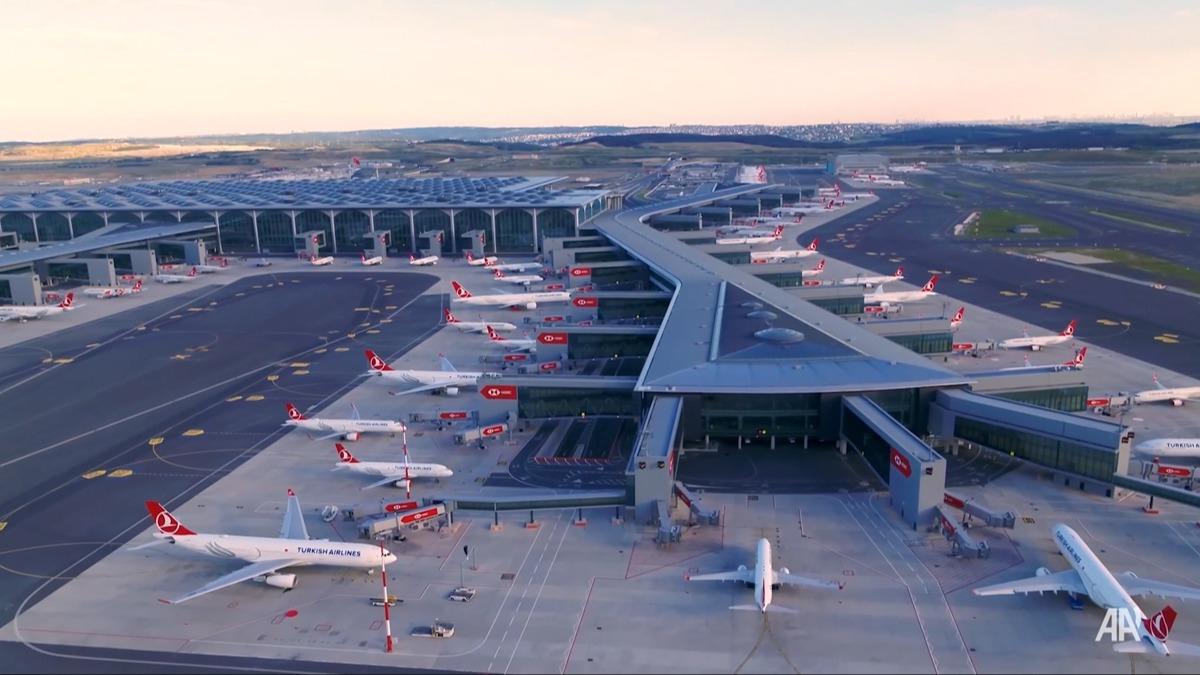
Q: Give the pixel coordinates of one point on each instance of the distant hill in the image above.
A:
(637, 140)
(499, 145)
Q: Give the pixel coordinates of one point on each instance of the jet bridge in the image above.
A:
(696, 505)
(972, 508)
(960, 540)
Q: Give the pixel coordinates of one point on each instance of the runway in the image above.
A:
(162, 404)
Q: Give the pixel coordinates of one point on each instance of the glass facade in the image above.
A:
(840, 306)
(591, 346)
(350, 228)
(307, 221)
(82, 223)
(733, 257)
(473, 219)
(538, 402)
(556, 223)
(190, 217)
(759, 415)
(514, 231)
(275, 232)
(116, 217)
(626, 278)
(613, 309)
(871, 445)
(1067, 399)
(925, 343)
(901, 404)
(397, 223)
(785, 279)
(237, 232)
(53, 227)
(585, 242)
(62, 271)
(600, 256)
(162, 218)
(1044, 450)
(19, 223)
(427, 220)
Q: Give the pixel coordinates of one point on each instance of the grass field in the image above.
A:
(998, 224)
(1161, 270)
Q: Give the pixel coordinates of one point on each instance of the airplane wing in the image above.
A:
(414, 390)
(1135, 585)
(237, 576)
(382, 482)
(447, 366)
(1143, 647)
(745, 575)
(293, 520)
(796, 580)
(1067, 581)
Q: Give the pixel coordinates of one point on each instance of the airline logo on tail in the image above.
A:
(899, 272)
(459, 290)
(929, 285)
(812, 246)
(1069, 330)
(192, 273)
(69, 300)
(450, 318)
(293, 413)
(170, 525)
(492, 334)
(344, 454)
(778, 231)
(498, 273)
(1160, 624)
(957, 319)
(1078, 360)
(376, 363)
(137, 286)
(820, 266)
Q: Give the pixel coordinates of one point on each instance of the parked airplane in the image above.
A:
(778, 255)
(209, 269)
(872, 281)
(23, 314)
(879, 297)
(764, 238)
(318, 262)
(400, 474)
(1074, 363)
(447, 378)
(266, 555)
(499, 275)
(514, 267)
(1176, 395)
(1036, 343)
(175, 278)
(113, 291)
(373, 260)
(348, 429)
(512, 344)
(957, 319)
(1089, 577)
(764, 579)
(475, 326)
(421, 262)
(1169, 447)
(514, 300)
(484, 261)
(814, 271)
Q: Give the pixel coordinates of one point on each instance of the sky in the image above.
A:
(130, 68)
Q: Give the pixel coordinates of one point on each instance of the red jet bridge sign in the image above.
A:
(499, 392)
(901, 463)
(552, 338)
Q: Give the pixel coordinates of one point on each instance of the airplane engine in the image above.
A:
(351, 436)
(1176, 402)
(1036, 348)
(784, 570)
(1042, 571)
(747, 584)
(451, 391)
(285, 581)
(531, 305)
(402, 483)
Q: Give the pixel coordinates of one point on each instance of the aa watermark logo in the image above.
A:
(1118, 625)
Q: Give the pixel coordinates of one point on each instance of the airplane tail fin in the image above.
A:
(1160, 624)
(169, 524)
(449, 315)
(778, 231)
(344, 455)
(67, 301)
(899, 272)
(1080, 355)
(469, 256)
(930, 285)
(293, 413)
(193, 272)
(958, 316)
(498, 273)
(459, 290)
(812, 246)
(491, 332)
(1069, 330)
(377, 364)
(821, 265)
(1158, 384)
(137, 285)
(446, 365)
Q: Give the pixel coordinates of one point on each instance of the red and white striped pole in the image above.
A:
(407, 478)
(387, 601)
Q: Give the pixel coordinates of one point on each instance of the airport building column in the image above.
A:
(292, 216)
(220, 251)
(257, 241)
(537, 243)
(412, 230)
(492, 215)
(34, 218)
(453, 231)
(576, 212)
(70, 225)
(333, 228)
(371, 219)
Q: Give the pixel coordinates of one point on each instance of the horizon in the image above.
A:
(279, 67)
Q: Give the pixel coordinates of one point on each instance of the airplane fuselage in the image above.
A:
(764, 576)
(258, 549)
(452, 378)
(1034, 342)
(515, 299)
(422, 262)
(481, 326)
(897, 296)
(515, 267)
(318, 262)
(1169, 447)
(397, 469)
(1167, 394)
(520, 279)
(349, 426)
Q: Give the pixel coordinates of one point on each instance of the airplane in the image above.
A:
(113, 291)
(1089, 577)
(373, 260)
(814, 271)
(499, 275)
(871, 282)
(23, 314)
(175, 278)
(1169, 447)
(349, 429)
(399, 474)
(1036, 343)
(513, 300)
(763, 238)
(1176, 395)
(447, 378)
(764, 579)
(481, 262)
(421, 262)
(265, 555)
(475, 326)
(318, 262)
(1074, 363)
(209, 269)
(894, 297)
(957, 319)
(512, 344)
(515, 267)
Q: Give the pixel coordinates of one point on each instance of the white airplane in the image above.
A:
(1089, 577)
(348, 429)
(175, 278)
(514, 267)
(367, 262)
(210, 269)
(765, 579)
(499, 275)
(814, 271)
(1169, 447)
(1176, 395)
(804, 207)
(423, 261)
(481, 262)
(779, 255)
(113, 291)
(512, 344)
(1074, 363)
(895, 297)
(475, 326)
(871, 282)
(318, 262)
(400, 474)
(265, 555)
(957, 319)
(855, 196)
(514, 300)
(764, 238)
(447, 378)
(23, 314)
(1036, 343)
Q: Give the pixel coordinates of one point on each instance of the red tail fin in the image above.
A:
(67, 301)
(459, 290)
(498, 273)
(192, 273)
(293, 413)
(1079, 357)
(821, 265)
(778, 231)
(1160, 624)
(169, 524)
(812, 246)
(929, 285)
(899, 272)
(376, 363)
(958, 316)
(492, 333)
(470, 257)
(137, 285)
(1069, 330)
(449, 315)
(344, 454)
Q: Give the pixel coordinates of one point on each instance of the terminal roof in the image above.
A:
(121, 235)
